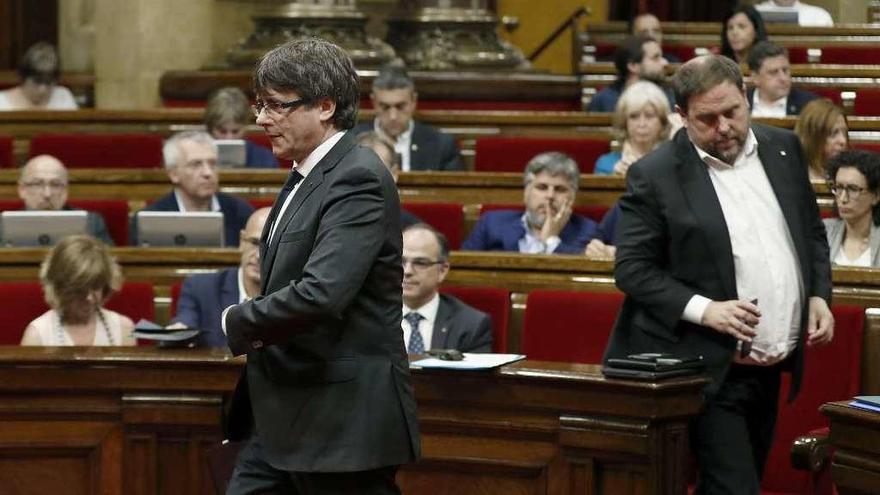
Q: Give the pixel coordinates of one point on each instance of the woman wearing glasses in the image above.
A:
(854, 237)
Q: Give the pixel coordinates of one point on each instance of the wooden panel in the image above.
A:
(855, 435)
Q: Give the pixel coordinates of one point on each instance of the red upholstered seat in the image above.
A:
(511, 154)
(569, 326)
(849, 55)
(6, 158)
(683, 52)
(101, 150)
(832, 94)
(593, 212)
(134, 300)
(798, 55)
(831, 373)
(867, 102)
(493, 301)
(23, 301)
(448, 218)
(875, 147)
(115, 213)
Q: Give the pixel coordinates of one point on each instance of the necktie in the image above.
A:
(416, 344)
(293, 179)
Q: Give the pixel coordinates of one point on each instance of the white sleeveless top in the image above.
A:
(51, 334)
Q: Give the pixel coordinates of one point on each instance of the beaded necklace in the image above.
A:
(63, 338)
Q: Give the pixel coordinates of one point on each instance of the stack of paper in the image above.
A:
(867, 402)
(471, 361)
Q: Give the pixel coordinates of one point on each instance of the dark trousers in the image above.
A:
(731, 437)
(253, 475)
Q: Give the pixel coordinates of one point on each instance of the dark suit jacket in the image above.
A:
(236, 212)
(327, 369)
(501, 230)
(95, 226)
(795, 102)
(257, 156)
(459, 326)
(431, 148)
(203, 297)
(673, 243)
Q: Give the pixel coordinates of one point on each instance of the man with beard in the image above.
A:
(548, 225)
(715, 224)
(637, 58)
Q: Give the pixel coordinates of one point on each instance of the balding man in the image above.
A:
(42, 186)
(204, 296)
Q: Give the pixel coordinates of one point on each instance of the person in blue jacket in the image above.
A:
(227, 116)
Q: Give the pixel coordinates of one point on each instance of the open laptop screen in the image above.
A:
(41, 228)
(176, 229)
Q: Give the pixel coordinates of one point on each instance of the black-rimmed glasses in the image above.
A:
(852, 191)
(419, 264)
(276, 108)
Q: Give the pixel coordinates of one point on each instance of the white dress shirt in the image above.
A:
(863, 259)
(402, 145)
(215, 203)
(242, 293)
(764, 258)
(532, 244)
(426, 324)
(808, 15)
(772, 109)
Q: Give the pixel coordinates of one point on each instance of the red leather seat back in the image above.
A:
(115, 213)
(6, 158)
(23, 302)
(867, 102)
(448, 218)
(101, 150)
(492, 301)
(511, 154)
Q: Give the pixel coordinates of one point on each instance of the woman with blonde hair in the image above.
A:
(78, 276)
(641, 120)
(822, 130)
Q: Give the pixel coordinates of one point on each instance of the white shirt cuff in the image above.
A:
(552, 243)
(223, 318)
(695, 308)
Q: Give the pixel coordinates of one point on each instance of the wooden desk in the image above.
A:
(139, 421)
(855, 434)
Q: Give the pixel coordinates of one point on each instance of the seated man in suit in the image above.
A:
(647, 24)
(385, 151)
(548, 225)
(637, 58)
(421, 146)
(227, 116)
(773, 95)
(42, 185)
(204, 296)
(191, 163)
(443, 322)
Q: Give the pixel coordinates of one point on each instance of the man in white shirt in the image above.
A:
(808, 15)
(722, 254)
(432, 320)
(773, 95)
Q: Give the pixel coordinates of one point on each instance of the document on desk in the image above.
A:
(471, 361)
(867, 403)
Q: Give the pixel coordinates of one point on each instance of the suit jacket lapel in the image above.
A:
(415, 149)
(700, 194)
(440, 335)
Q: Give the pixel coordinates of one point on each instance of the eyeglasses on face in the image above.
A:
(275, 108)
(419, 264)
(39, 185)
(852, 191)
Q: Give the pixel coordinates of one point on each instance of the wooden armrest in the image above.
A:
(810, 452)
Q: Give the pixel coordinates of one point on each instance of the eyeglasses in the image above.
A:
(419, 264)
(39, 185)
(275, 109)
(853, 192)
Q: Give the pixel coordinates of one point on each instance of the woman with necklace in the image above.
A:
(78, 276)
(854, 238)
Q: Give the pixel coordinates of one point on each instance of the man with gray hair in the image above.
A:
(722, 254)
(421, 147)
(547, 225)
(191, 163)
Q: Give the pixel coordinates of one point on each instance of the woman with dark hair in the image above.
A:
(39, 89)
(741, 28)
(854, 237)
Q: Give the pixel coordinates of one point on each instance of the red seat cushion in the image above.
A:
(23, 302)
(6, 158)
(569, 326)
(492, 301)
(448, 218)
(867, 102)
(511, 154)
(115, 213)
(849, 55)
(101, 150)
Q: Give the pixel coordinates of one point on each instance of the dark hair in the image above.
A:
(631, 23)
(441, 239)
(702, 74)
(763, 50)
(393, 77)
(868, 164)
(228, 104)
(756, 20)
(629, 51)
(315, 69)
(40, 62)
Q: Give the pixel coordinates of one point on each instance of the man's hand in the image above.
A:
(597, 249)
(737, 318)
(820, 322)
(553, 224)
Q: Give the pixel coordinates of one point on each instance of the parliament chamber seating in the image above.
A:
(569, 326)
(448, 218)
(114, 212)
(867, 102)
(121, 150)
(6, 157)
(493, 301)
(512, 153)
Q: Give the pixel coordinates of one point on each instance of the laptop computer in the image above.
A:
(41, 228)
(779, 16)
(177, 229)
(231, 153)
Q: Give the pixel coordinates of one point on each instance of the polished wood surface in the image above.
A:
(855, 435)
(140, 420)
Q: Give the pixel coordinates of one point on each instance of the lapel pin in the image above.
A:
(782, 153)
(415, 147)
(443, 330)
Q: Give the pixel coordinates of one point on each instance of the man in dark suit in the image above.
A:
(204, 296)
(421, 146)
(325, 402)
(715, 224)
(441, 321)
(771, 74)
(191, 163)
(637, 58)
(548, 224)
(42, 185)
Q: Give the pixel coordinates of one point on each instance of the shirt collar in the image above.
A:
(317, 154)
(215, 203)
(775, 103)
(242, 293)
(428, 310)
(749, 148)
